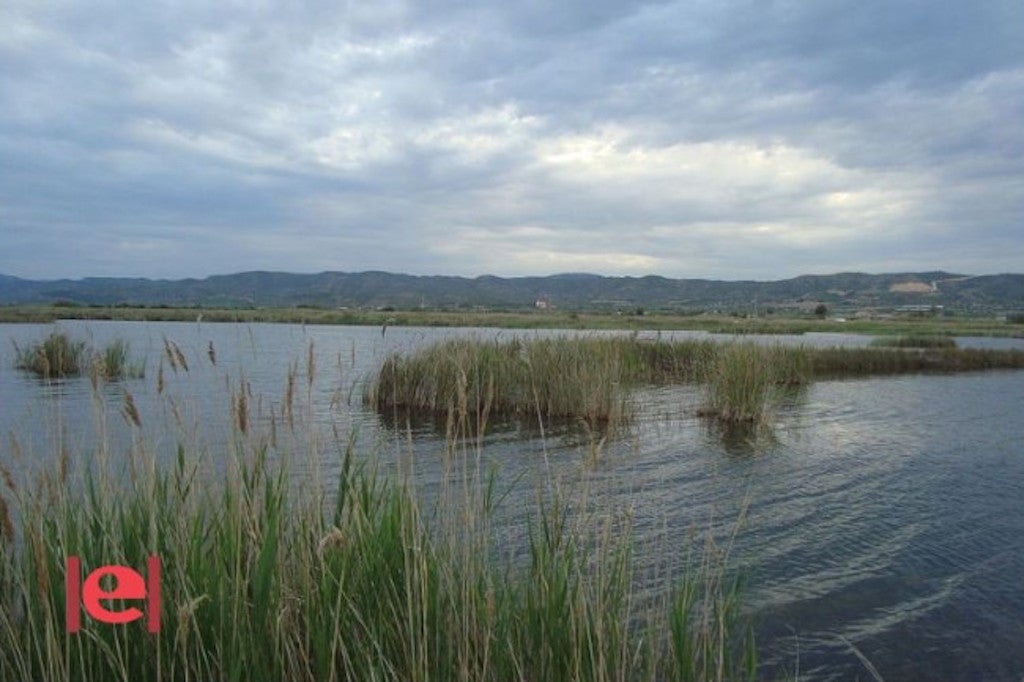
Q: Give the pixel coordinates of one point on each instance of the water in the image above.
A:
(884, 517)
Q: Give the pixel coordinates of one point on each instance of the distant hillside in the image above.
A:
(575, 291)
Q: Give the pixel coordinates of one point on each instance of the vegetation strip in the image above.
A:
(588, 378)
(788, 323)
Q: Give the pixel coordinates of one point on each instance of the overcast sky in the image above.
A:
(728, 139)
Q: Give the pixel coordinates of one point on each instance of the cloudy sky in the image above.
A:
(732, 139)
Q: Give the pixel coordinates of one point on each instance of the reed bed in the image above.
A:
(855, 362)
(266, 579)
(58, 356)
(740, 384)
(590, 378)
(114, 362)
(550, 379)
(743, 382)
(914, 341)
(54, 357)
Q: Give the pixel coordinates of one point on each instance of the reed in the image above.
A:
(548, 378)
(114, 362)
(744, 381)
(564, 376)
(704, 619)
(265, 580)
(740, 384)
(54, 357)
(590, 379)
(58, 356)
(854, 362)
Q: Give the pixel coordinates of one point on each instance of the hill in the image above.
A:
(842, 291)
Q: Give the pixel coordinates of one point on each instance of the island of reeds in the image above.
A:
(59, 356)
(589, 378)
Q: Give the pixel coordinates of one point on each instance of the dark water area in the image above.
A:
(881, 518)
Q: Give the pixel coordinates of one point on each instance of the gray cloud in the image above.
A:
(723, 139)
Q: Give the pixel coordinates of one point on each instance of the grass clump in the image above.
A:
(113, 362)
(557, 377)
(740, 384)
(551, 378)
(58, 356)
(914, 341)
(54, 357)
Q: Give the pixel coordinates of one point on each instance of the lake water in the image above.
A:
(882, 514)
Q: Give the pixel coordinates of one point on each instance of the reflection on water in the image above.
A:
(882, 514)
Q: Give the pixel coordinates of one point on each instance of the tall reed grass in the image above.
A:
(590, 378)
(740, 384)
(566, 377)
(54, 357)
(266, 577)
(856, 362)
(114, 362)
(58, 356)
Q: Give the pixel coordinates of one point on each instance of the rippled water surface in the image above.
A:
(884, 517)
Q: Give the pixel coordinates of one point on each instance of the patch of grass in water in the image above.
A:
(58, 356)
(544, 378)
(114, 362)
(740, 384)
(55, 356)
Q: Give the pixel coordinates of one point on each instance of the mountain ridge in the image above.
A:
(376, 288)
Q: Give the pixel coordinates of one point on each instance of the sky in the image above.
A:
(727, 139)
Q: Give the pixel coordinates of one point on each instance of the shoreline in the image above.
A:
(548, 319)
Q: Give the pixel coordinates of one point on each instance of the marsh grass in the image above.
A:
(705, 618)
(914, 341)
(546, 379)
(55, 356)
(580, 378)
(856, 362)
(266, 577)
(260, 585)
(745, 382)
(58, 356)
(564, 378)
(740, 384)
(589, 380)
(114, 362)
